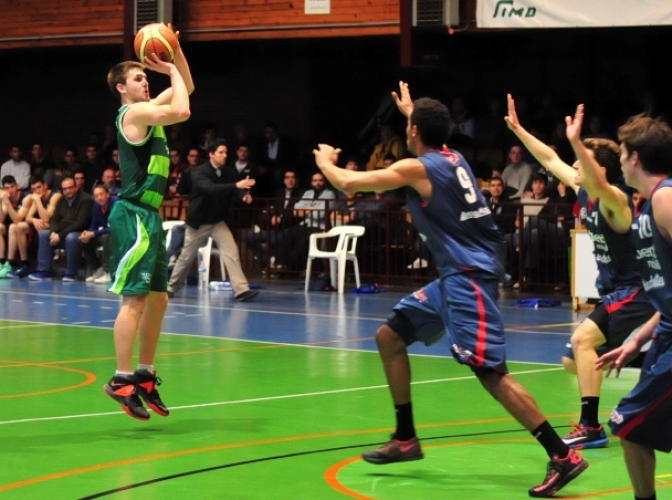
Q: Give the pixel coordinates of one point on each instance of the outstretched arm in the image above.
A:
(402, 173)
(614, 203)
(548, 158)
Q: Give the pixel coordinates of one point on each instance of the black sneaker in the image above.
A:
(247, 295)
(583, 436)
(122, 389)
(395, 451)
(146, 384)
(559, 473)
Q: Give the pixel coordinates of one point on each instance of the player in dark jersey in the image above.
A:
(453, 218)
(607, 213)
(138, 250)
(642, 418)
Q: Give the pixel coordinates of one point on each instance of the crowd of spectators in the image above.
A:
(55, 206)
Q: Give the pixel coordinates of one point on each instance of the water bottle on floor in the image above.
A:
(202, 274)
(221, 285)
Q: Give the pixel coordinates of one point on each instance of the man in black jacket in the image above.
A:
(71, 217)
(209, 215)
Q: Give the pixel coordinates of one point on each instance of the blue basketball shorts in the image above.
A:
(643, 416)
(462, 307)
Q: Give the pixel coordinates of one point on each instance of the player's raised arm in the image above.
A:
(145, 114)
(548, 158)
(401, 173)
(180, 62)
(615, 204)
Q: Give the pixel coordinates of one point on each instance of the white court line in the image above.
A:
(29, 325)
(36, 302)
(209, 307)
(267, 398)
(81, 322)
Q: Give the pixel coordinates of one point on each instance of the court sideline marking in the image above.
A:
(266, 398)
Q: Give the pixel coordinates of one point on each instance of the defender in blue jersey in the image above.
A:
(642, 418)
(138, 263)
(453, 218)
(607, 212)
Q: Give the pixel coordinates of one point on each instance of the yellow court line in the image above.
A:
(205, 351)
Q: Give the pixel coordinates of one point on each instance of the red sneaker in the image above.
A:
(560, 472)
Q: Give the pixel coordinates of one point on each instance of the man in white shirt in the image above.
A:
(518, 172)
(17, 168)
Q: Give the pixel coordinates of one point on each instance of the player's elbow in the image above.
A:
(182, 114)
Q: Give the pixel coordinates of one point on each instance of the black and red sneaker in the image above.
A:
(122, 389)
(560, 472)
(147, 383)
(395, 451)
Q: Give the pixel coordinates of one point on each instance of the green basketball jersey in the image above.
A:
(144, 165)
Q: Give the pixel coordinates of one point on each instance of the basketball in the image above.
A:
(155, 38)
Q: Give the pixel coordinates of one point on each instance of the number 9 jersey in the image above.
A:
(456, 223)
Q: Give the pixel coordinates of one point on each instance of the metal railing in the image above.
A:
(391, 251)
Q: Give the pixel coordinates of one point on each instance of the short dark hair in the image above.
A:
(497, 178)
(34, 179)
(539, 177)
(432, 119)
(8, 179)
(652, 139)
(608, 155)
(215, 145)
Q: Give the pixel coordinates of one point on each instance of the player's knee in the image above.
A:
(583, 339)
(386, 337)
(569, 364)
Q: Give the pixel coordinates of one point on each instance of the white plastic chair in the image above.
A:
(168, 226)
(345, 251)
(204, 254)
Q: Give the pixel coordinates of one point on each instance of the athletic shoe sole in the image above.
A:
(596, 443)
(108, 390)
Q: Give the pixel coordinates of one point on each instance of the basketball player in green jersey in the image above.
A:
(138, 252)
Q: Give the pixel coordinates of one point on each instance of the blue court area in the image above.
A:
(282, 313)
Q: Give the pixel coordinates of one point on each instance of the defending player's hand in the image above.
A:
(511, 118)
(326, 154)
(618, 358)
(573, 130)
(404, 103)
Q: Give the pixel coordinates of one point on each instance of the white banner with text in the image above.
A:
(572, 13)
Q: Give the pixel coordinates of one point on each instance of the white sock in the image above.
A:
(149, 368)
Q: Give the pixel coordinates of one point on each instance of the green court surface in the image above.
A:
(252, 420)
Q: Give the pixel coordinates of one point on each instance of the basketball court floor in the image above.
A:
(274, 399)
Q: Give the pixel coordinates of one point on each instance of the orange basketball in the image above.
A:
(155, 38)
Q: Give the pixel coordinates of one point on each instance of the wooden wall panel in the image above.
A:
(34, 23)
